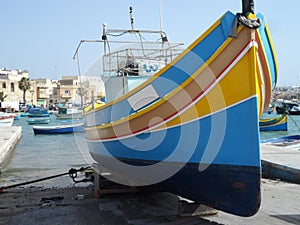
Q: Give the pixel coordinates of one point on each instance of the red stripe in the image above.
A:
(193, 100)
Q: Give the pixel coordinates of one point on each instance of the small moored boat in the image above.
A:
(274, 124)
(6, 121)
(58, 129)
(69, 113)
(38, 120)
(37, 112)
(285, 141)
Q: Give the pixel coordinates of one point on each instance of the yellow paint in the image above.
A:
(273, 50)
(163, 70)
(97, 105)
(236, 86)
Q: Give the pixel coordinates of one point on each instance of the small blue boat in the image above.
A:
(58, 129)
(39, 120)
(274, 124)
(283, 141)
(37, 112)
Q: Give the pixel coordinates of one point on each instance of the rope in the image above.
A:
(72, 173)
(250, 23)
(241, 19)
(294, 122)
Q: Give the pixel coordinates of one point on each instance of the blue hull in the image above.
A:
(286, 139)
(224, 184)
(279, 127)
(31, 115)
(224, 173)
(75, 129)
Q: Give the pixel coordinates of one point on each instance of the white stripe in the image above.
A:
(180, 112)
(165, 128)
(243, 53)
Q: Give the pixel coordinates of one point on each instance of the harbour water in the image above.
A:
(37, 156)
(293, 129)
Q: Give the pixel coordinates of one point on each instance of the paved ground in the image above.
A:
(78, 206)
(9, 136)
(280, 205)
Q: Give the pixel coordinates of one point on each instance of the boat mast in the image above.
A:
(248, 7)
(131, 17)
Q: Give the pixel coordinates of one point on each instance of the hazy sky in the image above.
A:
(41, 35)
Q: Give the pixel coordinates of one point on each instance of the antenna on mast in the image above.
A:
(163, 35)
(160, 16)
(131, 17)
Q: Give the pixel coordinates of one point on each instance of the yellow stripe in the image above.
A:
(163, 70)
(175, 91)
(273, 50)
(233, 88)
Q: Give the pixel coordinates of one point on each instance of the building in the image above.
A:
(44, 91)
(9, 85)
(65, 90)
(93, 87)
(70, 89)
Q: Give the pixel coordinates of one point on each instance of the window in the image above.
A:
(12, 87)
(3, 85)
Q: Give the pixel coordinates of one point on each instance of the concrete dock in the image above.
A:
(280, 163)
(9, 136)
(280, 206)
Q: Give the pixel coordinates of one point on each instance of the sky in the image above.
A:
(41, 36)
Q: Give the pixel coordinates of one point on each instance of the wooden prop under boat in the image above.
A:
(183, 129)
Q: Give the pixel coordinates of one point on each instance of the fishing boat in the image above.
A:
(274, 124)
(58, 129)
(39, 120)
(6, 121)
(285, 141)
(287, 107)
(37, 112)
(177, 128)
(295, 110)
(69, 113)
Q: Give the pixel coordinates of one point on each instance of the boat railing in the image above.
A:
(143, 61)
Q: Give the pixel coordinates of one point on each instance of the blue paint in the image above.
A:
(240, 146)
(174, 76)
(268, 50)
(276, 127)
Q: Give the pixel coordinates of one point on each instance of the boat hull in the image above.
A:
(69, 116)
(184, 128)
(228, 179)
(6, 122)
(57, 129)
(274, 124)
(218, 186)
(39, 120)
